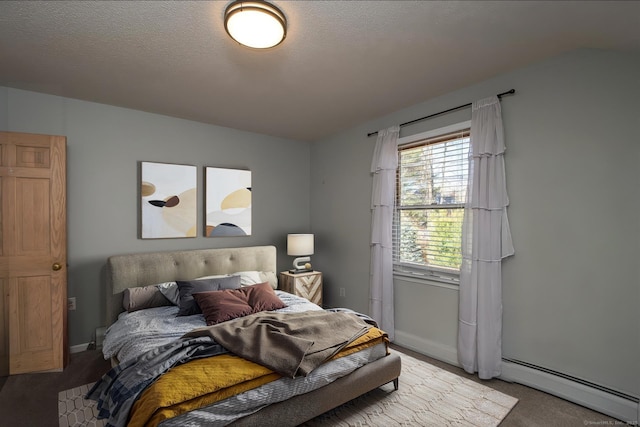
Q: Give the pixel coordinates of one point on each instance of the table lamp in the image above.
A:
(300, 246)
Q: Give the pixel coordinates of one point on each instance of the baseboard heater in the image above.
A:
(595, 396)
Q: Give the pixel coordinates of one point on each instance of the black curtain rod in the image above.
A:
(509, 92)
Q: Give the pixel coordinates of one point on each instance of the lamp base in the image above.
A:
(304, 270)
(302, 263)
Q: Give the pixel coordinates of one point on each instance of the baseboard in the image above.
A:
(429, 348)
(626, 410)
(78, 348)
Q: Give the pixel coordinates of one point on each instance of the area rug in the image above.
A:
(75, 410)
(428, 396)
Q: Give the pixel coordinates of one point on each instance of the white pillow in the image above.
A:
(215, 276)
(248, 278)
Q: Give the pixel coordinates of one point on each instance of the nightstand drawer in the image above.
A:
(306, 285)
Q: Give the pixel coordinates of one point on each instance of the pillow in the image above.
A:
(170, 291)
(134, 299)
(249, 277)
(215, 276)
(172, 294)
(255, 277)
(220, 306)
(188, 305)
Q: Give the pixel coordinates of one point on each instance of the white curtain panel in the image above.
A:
(383, 168)
(486, 240)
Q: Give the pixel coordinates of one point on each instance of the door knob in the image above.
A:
(56, 266)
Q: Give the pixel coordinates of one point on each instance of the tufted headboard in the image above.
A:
(143, 269)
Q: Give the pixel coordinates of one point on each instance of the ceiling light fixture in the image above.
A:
(255, 24)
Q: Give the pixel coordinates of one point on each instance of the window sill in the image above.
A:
(427, 279)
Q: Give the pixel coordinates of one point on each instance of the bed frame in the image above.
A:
(143, 269)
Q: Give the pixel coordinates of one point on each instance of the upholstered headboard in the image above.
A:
(143, 269)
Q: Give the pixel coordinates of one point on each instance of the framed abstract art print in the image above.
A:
(228, 202)
(169, 194)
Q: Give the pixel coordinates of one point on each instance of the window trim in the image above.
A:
(410, 139)
(420, 272)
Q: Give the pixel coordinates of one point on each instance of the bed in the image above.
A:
(368, 367)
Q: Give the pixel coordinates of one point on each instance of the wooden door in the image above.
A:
(33, 258)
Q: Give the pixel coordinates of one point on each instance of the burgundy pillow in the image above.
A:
(187, 288)
(220, 306)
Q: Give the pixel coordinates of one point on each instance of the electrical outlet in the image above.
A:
(71, 303)
(342, 292)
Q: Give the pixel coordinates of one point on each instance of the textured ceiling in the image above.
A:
(343, 62)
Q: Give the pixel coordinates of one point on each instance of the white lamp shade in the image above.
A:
(300, 244)
(256, 24)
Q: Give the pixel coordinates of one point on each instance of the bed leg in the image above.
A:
(396, 384)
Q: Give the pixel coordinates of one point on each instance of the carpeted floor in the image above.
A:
(31, 400)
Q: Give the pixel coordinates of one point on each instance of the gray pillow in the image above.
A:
(186, 289)
(134, 299)
(170, 291)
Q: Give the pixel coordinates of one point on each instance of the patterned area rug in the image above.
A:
(75, 410)
(428, 396)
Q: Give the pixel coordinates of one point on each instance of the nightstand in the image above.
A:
(307, 285)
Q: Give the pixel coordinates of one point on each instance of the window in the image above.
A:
(431, 192)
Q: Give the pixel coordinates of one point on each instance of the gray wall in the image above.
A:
(4, 114)
(572, 290)
(104, 146)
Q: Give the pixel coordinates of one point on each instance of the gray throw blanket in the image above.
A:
(291, 344)
(119, 388)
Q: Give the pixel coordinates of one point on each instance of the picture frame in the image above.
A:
(168, 200)
(228, 202)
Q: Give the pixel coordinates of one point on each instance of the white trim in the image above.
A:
(598, 400)
(100, 333)
(435, 132)
(610, 404)
(449, 275)
(78, 348)
(429, 348)
(426, 279)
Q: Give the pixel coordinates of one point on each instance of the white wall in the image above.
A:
(104, 146)
(572, 290)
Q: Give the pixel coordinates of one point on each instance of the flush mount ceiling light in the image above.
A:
(256, 24)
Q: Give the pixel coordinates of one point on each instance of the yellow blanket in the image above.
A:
(202, 382)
